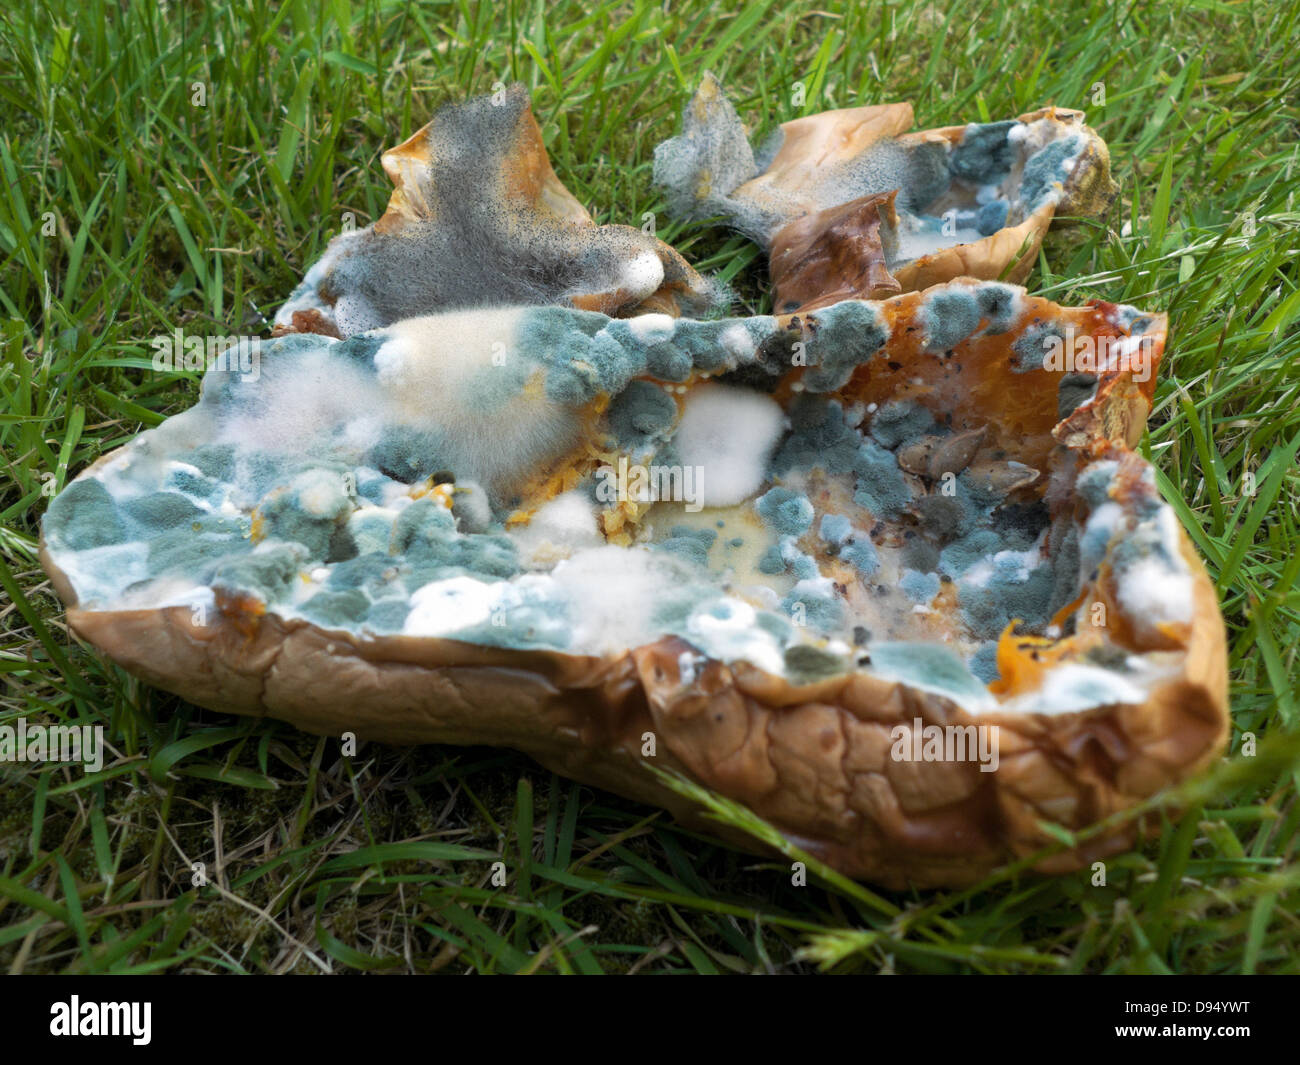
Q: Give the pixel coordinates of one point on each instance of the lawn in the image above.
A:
(181, 167)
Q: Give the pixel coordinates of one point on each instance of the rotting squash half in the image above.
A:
(779, 544)
(850, 205)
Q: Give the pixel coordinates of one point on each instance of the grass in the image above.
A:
(128, 208)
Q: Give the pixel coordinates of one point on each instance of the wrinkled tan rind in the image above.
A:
(817, 763)
(582, 717)
(813, 760)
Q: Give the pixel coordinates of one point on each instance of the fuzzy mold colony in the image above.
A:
(875, 487)
(479, 218)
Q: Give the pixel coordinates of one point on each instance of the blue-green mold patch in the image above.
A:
(984, 662)
(641, 415)
(789, 513)
(930, 667)
(835, 528)
(1013, 590)
(919, 587)
(162, 510)
(951, 315)
(1047, 168)
(880, 487)
(268, 573)
(983, 156)
(819, 437)
(861, 554)
(83, 516)
(1032, 346)
(848, 334)
(998, 303)
(809, 605)
(899, 421)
